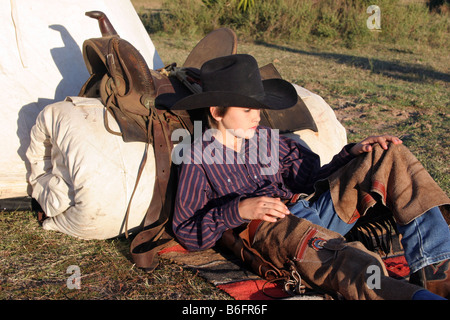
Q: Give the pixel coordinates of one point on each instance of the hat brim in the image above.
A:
(279, 94)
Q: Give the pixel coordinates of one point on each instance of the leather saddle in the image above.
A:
(120, 76)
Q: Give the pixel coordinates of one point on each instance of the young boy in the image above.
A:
(240, 172)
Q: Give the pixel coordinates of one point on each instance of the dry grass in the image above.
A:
(34, 265)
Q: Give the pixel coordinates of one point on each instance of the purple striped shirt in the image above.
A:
(214, 178)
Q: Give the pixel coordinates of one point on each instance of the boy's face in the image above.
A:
(238, 121)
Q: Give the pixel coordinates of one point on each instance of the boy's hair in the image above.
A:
(210, 121)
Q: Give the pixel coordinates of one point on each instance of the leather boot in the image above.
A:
(326, 262)
(434, 278)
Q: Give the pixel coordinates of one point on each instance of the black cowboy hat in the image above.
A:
(235, 80)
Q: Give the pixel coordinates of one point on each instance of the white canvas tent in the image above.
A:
(41, 63)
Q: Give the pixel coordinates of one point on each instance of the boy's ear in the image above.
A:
(213, 111)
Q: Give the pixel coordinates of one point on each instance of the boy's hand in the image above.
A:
(263, 208)
(367, 144)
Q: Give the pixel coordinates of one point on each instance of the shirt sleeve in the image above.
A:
(199, 220)
(301, 167)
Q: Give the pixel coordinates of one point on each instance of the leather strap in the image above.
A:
(154, 237)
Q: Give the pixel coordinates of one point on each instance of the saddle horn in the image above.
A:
(105, 25)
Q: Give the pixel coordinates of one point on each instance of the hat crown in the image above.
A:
(236, 73)
(235, 81)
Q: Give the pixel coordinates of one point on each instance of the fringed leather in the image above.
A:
(375, 230)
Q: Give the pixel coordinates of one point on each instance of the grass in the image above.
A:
(34, 266)
(379, 87)
(322, 21)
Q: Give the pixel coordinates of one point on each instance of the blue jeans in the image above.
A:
(425, 240)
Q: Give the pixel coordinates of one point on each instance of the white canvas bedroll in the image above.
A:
(82, 175)
(41, 63)
(331, 135)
